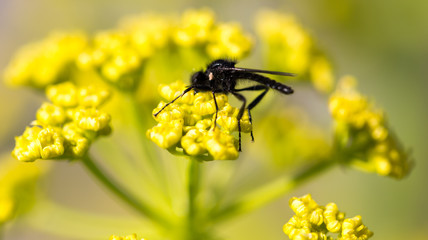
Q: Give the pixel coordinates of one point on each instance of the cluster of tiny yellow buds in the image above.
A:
(66, 127)
(194, 28)
(228, 39)
(320, 222)
(147, 32)
(115, 57)
(128, 237)
(17, 183)
(198, 27)
(46, 62)
(362, 132)
(188, 123)
(288, 46)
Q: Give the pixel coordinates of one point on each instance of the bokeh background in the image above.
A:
(383, 43)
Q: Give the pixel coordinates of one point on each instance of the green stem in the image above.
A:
(193, 188)
(119, 191)
(270, 192)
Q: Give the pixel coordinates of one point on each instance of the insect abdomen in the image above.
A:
(280, 87)
(267, 82)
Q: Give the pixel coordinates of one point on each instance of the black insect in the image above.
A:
(221, 76)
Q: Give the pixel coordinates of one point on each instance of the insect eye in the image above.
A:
(198, 77)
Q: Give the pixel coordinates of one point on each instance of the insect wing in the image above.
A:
(260, 71)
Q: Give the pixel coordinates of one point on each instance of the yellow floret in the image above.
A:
(166, 134)
(62, 94)
(26, 146)
(195, 27)
(227, 119)
(49, 114)
(353, 228)
(91, 119)
(42, 63)
(228, 40)
(92, 96)
(51, 143)
(221, 146)
(193, 142)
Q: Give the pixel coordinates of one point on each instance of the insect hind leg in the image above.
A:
(254, 102)
(240, 113)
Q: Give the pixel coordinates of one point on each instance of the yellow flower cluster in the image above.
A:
(287, 46)
(363, 135)
(66, 127)
(198, 28)
(128, 237)
(46, 62)
(17, 183)
(320, 222)
(119, 55)
(188, 123)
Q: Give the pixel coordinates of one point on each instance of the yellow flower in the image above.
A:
(287, 46)
(303, 206)
(333, 218)
(63, 94)
(204, 104)
(37, 143)
(147, 32)
(353, 228)
(188, 124)
(193, 142)
(221, 145)
(49, 114)
(91, 119)
(26, 147)
(66, 128)
(92, 96)
(76, 144)
(51, 143)
(362, 132)
(195, 27)
(166, 134)
(318, 222)
(228, 40)
(46, 62)
(114, 57)
(227, 119)
(173, 90)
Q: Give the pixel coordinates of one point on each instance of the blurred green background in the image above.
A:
(383, 43)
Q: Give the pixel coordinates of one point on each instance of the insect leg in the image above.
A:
(216, 110)
(240, 113)
(255, 101)
(166, 105)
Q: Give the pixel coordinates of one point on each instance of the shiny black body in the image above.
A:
(221, 76)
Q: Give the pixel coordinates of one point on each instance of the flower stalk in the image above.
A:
(141, 207)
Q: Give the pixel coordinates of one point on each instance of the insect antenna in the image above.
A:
(166, 105)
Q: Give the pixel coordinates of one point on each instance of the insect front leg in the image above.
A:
(254, 102)
(166, 105)
(240, 113)
(216, 110)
